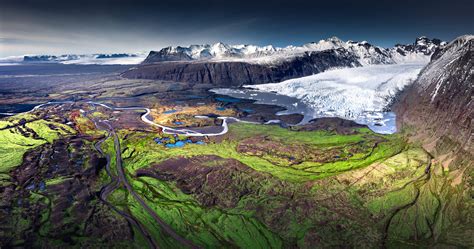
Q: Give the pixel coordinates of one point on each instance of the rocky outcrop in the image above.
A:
(237, 73)
(332, 124)
(438, 108)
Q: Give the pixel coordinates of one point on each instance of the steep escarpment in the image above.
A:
(439, 105)
(237, 73)
(437, 112)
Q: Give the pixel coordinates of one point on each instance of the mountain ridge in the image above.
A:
(226, 65)
(367, 53)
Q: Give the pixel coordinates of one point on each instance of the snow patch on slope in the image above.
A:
(361, 94)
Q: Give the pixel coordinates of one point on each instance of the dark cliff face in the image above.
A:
(237, 73)
(438, 108)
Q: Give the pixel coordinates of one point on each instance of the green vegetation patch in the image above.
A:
(241, 226)
(56, 180)
(208, 227)
(49, 131)
(18, 139)
(319, 137)
(351, 199)
(146, 151)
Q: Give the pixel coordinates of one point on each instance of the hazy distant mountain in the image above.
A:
(121, 58)
(100, 59)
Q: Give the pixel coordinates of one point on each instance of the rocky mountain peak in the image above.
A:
(422, 45)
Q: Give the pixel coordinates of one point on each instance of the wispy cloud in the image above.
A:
(88, 26)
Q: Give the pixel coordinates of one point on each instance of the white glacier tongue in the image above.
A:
(361, 94)
(348, 92)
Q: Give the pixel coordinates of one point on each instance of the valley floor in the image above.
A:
(77, 175)
(83, 175)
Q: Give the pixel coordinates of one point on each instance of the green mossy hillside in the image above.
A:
(23, 132)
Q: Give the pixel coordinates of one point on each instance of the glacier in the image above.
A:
(362, 94)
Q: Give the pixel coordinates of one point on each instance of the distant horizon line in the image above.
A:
(127, 51)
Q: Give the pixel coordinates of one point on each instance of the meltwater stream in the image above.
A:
(361, 94)
(379, 122)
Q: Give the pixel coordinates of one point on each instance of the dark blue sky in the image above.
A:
(86, 26)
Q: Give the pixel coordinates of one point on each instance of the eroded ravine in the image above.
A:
(418, 183)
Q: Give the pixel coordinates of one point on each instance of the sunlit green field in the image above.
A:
(383, 189)
(297, 188)
(146, 151)
(14, 144)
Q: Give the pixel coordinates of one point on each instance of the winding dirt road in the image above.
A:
(144, 118)
(121, 178)
(114, 184)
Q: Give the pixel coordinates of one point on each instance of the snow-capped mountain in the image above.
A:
(235, 65)
(420, 51)
(85, 59)
(435, 74)
(238, 71)
(218, 51)
(366, 53)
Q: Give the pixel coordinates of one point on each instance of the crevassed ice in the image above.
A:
(348, 92)
(360, 94)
